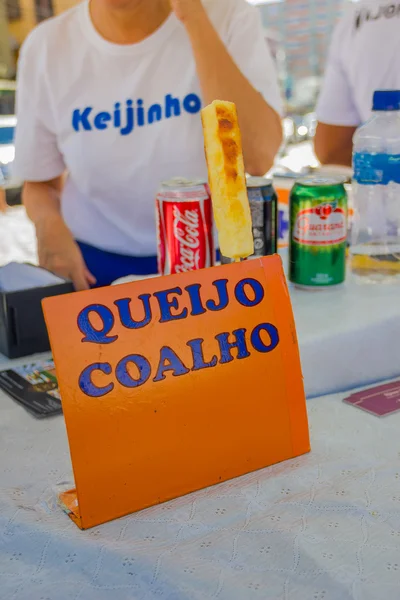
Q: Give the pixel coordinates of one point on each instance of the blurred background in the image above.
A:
(298, 32)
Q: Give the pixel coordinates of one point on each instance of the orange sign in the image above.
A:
(283, 188)
(176, 383)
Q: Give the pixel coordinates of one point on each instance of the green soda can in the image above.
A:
(318, 233)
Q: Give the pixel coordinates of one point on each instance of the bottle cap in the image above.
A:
(386, 100)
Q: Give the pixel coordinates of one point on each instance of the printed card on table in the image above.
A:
(173, 384)
(381, 400)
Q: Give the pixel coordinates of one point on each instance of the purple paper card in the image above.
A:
(380, 401)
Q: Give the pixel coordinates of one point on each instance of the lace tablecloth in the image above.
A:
(325, 526)
(348, 336)
(17, 237)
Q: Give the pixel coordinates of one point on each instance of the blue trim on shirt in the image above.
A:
(109, 266)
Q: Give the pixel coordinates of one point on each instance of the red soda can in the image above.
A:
(184, 226)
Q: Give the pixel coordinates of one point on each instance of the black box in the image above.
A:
(22, 326)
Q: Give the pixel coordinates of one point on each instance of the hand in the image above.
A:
(60, 254)
(186, 10)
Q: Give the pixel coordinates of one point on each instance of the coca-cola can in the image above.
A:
(184, 226)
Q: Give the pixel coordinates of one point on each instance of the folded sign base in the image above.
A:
(173, 384)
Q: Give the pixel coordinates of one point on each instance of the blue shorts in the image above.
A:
(108, 266)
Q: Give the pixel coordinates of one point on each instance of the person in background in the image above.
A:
(364, 57)
(109, 94)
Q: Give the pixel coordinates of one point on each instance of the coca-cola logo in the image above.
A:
(187, 233)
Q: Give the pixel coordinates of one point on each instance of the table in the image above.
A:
(348, 336)
(17, 237)
(325, 526)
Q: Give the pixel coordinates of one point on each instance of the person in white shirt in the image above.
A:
(364, 57)
(109, 99)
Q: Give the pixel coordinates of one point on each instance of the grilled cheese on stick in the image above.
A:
(224, 155)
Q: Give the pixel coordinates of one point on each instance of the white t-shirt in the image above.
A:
(122, 118)
(364, 57)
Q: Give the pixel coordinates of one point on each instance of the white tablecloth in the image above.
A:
(325, 526)
(17, 237)
(348, 336)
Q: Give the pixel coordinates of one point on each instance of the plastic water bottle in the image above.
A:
(375, 238)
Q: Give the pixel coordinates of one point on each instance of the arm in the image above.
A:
(42, 200)
(58, 252)
(221, 78)
(334, 144)
(39, 162)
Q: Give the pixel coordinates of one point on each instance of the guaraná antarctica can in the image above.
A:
(264, 216)
(318, 233)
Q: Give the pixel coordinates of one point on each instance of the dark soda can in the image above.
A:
(263, 202)
(264, 215)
